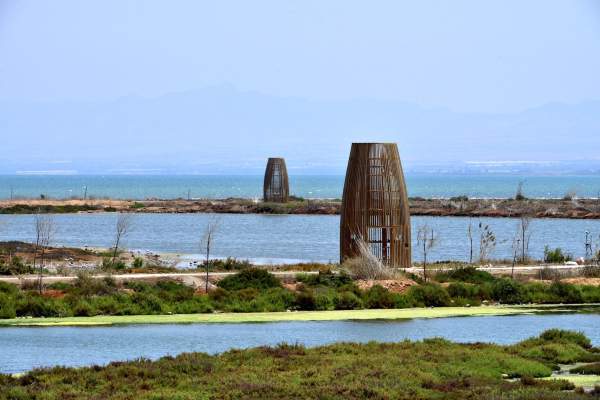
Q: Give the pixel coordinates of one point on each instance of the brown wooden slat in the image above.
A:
(276, 184)
(375, 204)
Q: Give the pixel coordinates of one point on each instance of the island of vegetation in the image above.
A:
(568, 207)
(556, 365)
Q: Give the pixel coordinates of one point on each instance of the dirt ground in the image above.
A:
(400, 285)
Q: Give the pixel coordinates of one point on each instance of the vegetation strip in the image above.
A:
(428, 369)
(389, 314)
(567, 207)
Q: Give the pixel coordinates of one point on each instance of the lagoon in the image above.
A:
(291, 238)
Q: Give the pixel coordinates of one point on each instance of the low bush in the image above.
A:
(229, 264)
(379, 297)
(16, 266)
(347, 301)
(556, 255)
(507, 291)
(429, 295)
(7, 307)
(326, 278)
(250, 278)
(465, 274)
(566, 293)
(305, 301)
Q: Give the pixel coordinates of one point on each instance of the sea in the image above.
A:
(141, 187)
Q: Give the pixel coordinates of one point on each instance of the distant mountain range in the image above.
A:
(223, 130)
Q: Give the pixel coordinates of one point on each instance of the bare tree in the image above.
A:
(515, 249)
(470, 237)
(208, 236)
(44, 234)
(426, 240)
(487, 241)
(524, 234)
(122, 229)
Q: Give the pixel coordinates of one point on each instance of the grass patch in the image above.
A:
(439, 369)
(588, 369)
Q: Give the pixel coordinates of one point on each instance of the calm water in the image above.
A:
(309, 186)
(289, 238)
(22, 349)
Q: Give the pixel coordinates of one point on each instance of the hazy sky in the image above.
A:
(491, 56)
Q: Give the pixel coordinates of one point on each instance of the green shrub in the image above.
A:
(465, 274)
(323, 302)
(507, 291)
(195, 305)
(15, 267)
(326, 278)
(305, 300)
(138, 262)
(347, 301)
(148, 302)
(83, 309)
(464, 290)
(429, 295)
(566, 293)
(9, 289)
(228, 264)
(561, 335)
(250, 278)
(277, 299)
(60, 286)
(556, 255)
(86, 285)
(34, 305)
(378, 297)
(7, 307)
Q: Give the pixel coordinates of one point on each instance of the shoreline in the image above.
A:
(588, 208)
(292, 316)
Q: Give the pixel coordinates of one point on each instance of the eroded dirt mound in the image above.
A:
(393, 285)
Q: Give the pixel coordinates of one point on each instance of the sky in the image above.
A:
(465, 56)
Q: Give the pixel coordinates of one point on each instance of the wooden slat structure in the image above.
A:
(276, 187)
(375, 205)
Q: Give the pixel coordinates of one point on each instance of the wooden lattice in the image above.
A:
(375, 205)
(276, 186)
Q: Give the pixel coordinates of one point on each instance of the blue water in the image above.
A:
(309, 186)
(22, 349)
(292, 238)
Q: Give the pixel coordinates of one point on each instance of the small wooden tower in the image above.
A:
(375, 205)
(276, 187)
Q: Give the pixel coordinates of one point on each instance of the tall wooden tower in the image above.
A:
(375, 205)
(276, 186)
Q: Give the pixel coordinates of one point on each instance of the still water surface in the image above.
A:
(24, 348)
(291, 238)
(309, 186)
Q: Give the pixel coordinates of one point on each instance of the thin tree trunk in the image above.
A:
(207, 261)
(115, 251)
